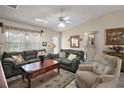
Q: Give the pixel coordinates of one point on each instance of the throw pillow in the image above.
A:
(102, 69)
(18, 58)
(62, 55)
(108, 70)
(98, 68)
(40, 53)
(71, 57)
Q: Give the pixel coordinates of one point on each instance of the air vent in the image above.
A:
(13, 6)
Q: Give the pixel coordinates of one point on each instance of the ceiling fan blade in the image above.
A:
(67, 22)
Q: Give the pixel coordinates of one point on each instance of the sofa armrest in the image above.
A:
(8, 68)
(8, 61)
(75, 64)
(85, 67)
(105, 81)
(9, 64)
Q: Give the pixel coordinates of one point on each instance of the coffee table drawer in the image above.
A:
(35, 74)
(38, 72)
(52, 67)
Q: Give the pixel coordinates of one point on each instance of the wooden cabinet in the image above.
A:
(120, 55)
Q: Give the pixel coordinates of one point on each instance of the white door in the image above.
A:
(90, 44)
(56, 43)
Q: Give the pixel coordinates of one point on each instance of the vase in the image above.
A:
(41, 59)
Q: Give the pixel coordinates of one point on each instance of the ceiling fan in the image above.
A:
(63, 20)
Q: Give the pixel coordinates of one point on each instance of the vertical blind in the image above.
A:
(21, 40)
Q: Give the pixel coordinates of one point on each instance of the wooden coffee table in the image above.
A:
(35, 69)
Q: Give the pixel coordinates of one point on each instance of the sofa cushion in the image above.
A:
(67, 52)
(59, 59)
(33, 60)
(62, 55)
(29, 57)
(87, 77)
(76, 52)
(29, 52)
(71, 57)
(66, 62)
(63, 61)
(106, 59)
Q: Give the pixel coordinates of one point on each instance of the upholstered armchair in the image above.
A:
(102, 72)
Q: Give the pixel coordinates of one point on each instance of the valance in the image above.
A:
(6, 27)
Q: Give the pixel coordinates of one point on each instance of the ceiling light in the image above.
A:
(62, 25)
(66, 18)
(67, 22)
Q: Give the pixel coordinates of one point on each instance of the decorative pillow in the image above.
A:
(62, 55)
(102, 69)
(98, 68)
(108, 70)
(40, 53)
(18, 58)
(71, 57)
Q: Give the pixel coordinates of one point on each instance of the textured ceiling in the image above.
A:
(50, 13)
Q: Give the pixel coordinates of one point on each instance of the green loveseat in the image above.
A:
(67, 64)
(12, 69)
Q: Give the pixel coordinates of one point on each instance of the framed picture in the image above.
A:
(44, 43)
(115, 36)
(75, 41)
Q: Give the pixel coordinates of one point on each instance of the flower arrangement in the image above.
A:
(51, 47)
(117, 48)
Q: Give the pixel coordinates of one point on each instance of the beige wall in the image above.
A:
(110, 20)
(47, 36)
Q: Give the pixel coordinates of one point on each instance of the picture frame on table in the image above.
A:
(44, 43)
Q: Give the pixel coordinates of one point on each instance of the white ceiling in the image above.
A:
(78, 14)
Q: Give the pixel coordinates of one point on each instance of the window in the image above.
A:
(19, 41)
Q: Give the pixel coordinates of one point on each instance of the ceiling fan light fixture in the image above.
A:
(68, 22)
(66, 18)
(62, 25)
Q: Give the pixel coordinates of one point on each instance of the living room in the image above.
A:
(62, 39)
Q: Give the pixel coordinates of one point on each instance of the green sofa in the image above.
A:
(67, 64)
(12, 69)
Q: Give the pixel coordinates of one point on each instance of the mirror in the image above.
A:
(75, 41)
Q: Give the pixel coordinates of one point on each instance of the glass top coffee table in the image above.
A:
(35, 69)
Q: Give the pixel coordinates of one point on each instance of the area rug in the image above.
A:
(48, 80)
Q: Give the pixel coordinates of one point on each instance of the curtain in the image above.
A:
(16, 40)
